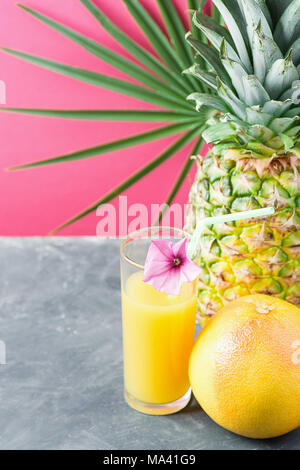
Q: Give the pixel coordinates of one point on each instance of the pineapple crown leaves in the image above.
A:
(253, 66)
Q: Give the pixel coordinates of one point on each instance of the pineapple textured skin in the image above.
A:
(254, 160)
(249, 256)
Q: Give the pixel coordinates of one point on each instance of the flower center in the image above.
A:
(177, 261)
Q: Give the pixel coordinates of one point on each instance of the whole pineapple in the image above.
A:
(253, 65)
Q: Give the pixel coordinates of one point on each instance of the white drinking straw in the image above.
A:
(193, 246)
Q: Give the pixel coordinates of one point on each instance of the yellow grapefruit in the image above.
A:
(245, 367)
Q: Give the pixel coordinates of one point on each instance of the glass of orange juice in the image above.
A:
(158, 330)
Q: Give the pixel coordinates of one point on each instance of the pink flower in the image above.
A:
(167, 266)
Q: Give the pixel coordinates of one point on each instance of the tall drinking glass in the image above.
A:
(158, 331)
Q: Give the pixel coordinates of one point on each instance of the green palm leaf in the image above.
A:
(106, 115)
(126, 66)
(115, 145)
(121, 86)
(176, 30)
(156, 37)
(169, 152)
(145, 58)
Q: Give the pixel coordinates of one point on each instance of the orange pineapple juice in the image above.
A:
(158, 335)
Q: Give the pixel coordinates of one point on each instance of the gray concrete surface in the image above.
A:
(61, 387)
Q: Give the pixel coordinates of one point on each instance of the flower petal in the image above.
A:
(165, 247)
(190, 270)
(179, 249)
(159, 270)
(156, 268)
(169, 283)
(156, 261)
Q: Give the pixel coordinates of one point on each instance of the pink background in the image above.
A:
(35, 201)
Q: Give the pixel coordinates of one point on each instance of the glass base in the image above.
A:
(158, 410)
